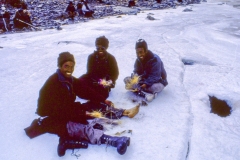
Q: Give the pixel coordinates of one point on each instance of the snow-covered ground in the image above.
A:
(177, 125)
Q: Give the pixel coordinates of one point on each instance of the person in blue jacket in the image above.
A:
(150, 70)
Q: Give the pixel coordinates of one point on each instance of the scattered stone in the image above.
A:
(132, 12)
(59, 28)
(68, 42)
(188, 62)
(150, 18)
(221, 3)
(48, 14)
(187, 10)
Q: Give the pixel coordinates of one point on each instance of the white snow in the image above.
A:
(177, 125)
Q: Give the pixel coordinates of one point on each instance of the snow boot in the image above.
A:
(65, 144)
(120, 142)
(148, 96)
(35, 129)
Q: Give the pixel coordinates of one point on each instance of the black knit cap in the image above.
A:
(103, 41)
(141, 43)
(64, 57)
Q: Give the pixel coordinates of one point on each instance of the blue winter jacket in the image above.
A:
(151, 70)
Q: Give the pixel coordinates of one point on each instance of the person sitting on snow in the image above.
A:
(131, 3)
(71, 10)
(61, 115)
(149, 76)
(102, 69)
(5, 21)
(22, 19)
(83, 9)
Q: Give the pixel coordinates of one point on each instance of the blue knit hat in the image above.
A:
(141, 43)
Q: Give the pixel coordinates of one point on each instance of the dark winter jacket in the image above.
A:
(22, 16)
(56, 103)
(151, 70)
(102, 68)
(70, 8)
(57, 99)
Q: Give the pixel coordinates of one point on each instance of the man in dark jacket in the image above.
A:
(22, 19)
(71, 10)
(150, 70)
(61, 115)
(102, 69)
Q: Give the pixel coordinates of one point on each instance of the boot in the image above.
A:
(131, 112)
(148, 96)
(140, 94)
(120, 142)
(65, 144)
(35, 129)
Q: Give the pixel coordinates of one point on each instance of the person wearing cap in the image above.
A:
(61, 115)
(5, 20)
(71, 10)
(83, 9)
(22, 19)
(149, 68)
(102, 69)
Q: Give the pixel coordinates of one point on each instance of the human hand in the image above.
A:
(143, 86)
(105, 83)
(109, 103)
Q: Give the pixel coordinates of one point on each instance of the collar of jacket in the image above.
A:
(97, 56)
(61, 78)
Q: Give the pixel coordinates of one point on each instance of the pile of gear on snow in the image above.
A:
(49, 14)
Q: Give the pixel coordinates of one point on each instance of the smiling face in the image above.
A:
(101, 50)
(141, 53)
(67, 69)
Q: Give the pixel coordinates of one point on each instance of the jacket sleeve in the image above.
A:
(83, 91)
(114, 71)
(164, 76)
(53, 103)
(154, 73)
(90, 63)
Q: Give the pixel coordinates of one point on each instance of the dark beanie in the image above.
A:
(141, 43)
(64, 57)
(103, 41)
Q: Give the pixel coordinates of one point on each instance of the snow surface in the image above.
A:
(177, 125)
